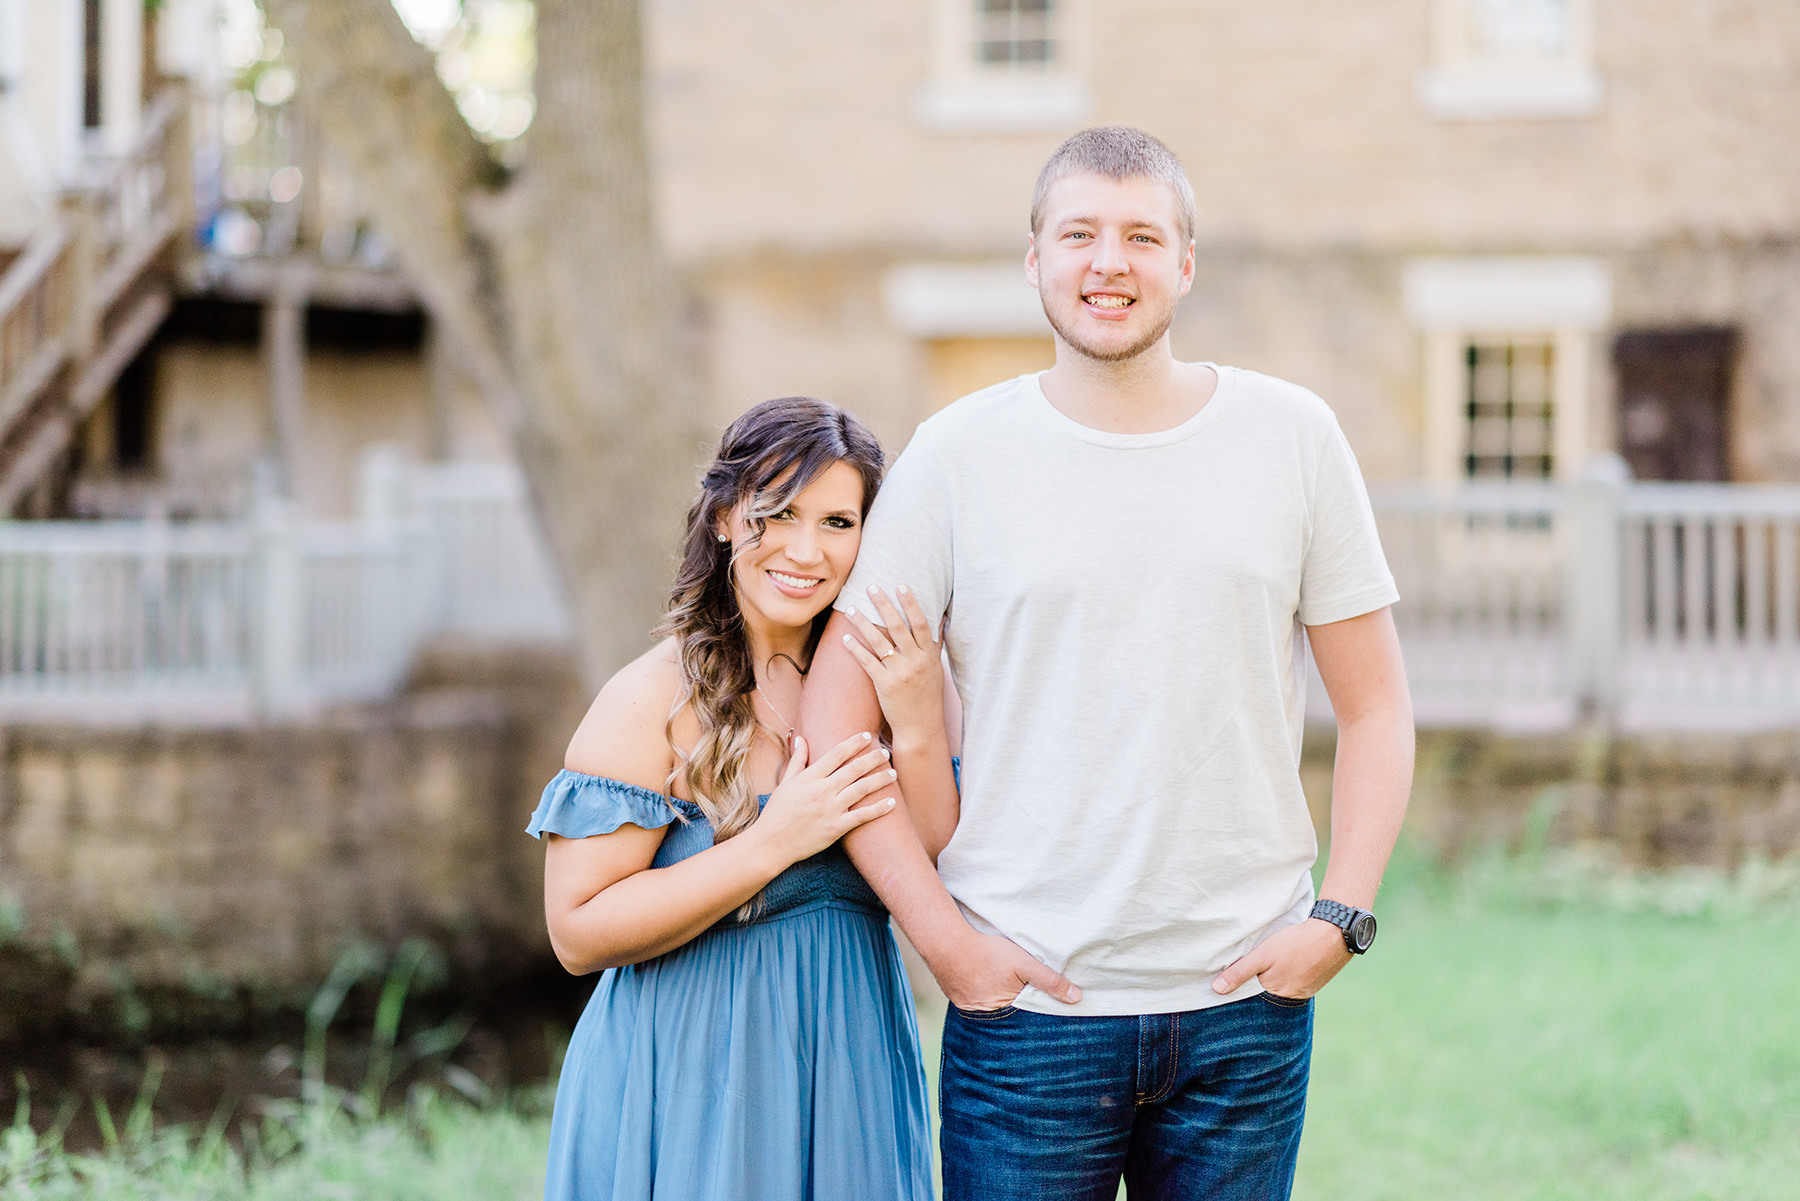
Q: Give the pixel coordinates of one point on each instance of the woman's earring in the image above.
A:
(724, 537)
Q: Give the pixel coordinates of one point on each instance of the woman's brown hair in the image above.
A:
(767, 456)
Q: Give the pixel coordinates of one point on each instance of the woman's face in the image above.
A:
(805, 554)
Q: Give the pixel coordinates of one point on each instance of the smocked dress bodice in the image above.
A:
(577, 805)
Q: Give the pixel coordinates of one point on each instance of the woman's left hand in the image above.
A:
(904, 662)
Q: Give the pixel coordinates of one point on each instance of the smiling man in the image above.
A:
(1128, 547)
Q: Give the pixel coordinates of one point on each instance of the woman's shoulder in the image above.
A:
(624, 735)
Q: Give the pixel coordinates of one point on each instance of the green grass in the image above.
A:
(1535, 1028)
(444, 1151)
(1565, 1032)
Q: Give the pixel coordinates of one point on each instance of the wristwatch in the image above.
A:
(1358, 925)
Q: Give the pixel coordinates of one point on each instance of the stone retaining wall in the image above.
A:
(153, 876)
(158, 878)
(1663, 799)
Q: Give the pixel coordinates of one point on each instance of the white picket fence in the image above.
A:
(1653, 606)
(225, 621)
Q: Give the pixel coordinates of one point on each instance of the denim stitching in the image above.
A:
(1137, 1086)
(1169, 1084)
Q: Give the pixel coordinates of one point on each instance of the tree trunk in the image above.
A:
(549, 285)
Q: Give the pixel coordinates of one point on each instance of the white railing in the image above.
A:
(1711, 599)
(124, 609)
(498, 577)
(1646, 605)
(276, 616)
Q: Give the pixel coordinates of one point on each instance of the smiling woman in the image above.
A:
(753, 1033)
(803, 551)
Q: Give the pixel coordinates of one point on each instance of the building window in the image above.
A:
(1005, 66)
(1508, 361)
(1015, 33)
(1510, 417)
(1500, 59)
(1530, 30)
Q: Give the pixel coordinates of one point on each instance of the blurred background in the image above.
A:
(356, 359)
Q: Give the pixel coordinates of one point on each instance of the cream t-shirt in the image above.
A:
(1125, 630)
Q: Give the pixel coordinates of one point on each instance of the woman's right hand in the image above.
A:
(815, 804)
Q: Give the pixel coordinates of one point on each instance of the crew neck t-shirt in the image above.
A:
(1125, 630)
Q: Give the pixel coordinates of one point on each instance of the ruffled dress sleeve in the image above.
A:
(577, 805)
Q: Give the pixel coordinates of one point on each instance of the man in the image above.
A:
(1129, 545)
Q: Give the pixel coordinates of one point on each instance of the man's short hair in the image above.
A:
(1117, 152)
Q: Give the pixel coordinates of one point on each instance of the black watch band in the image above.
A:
(1358, 925)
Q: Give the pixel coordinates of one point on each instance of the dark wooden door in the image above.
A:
(1674, 392)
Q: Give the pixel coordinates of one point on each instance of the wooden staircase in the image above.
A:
(87, 292)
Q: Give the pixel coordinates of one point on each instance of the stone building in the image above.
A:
(1582, 217)
(1497, 235)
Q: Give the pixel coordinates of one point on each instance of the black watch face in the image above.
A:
(1362, 931)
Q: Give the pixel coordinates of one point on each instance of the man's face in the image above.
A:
(1110, 264)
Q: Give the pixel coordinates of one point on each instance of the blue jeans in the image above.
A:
(1204, 1104)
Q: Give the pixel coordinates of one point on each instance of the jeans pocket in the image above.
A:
(986, 1015)
(1284, 1002)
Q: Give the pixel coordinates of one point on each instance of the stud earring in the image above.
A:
(724, 537)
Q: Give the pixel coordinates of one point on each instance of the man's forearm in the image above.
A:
(1370, 782)
(840, 701)
(1359, 660)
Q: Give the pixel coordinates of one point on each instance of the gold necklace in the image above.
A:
(778, 714)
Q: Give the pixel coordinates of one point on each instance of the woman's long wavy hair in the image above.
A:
(766, 457)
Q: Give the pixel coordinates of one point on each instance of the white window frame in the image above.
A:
(1456, 301)
(1464, 82)
(961, 94)
(928, 299)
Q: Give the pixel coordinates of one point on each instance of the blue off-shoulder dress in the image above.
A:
(770, 1060)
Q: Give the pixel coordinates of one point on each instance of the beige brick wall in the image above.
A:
(1297, 120)
(791, 170)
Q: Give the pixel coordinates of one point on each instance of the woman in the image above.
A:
(754, 1038)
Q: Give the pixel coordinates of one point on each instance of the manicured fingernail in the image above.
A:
(873, 590)
(884, 752)
(892, 774)
(867, 736)
(889, 802)
(903, 590)
(849, 610)
(847, 640)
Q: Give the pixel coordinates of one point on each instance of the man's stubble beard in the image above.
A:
(1132, 351)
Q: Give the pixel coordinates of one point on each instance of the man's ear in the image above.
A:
(1031, 266)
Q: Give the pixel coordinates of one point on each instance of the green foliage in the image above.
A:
(332, 1142)
(435, 1151)
(1537, 1027)
(1553, 1025)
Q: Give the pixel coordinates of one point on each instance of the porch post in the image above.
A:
(280, 610)
(1594, 595)
(284, 359)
